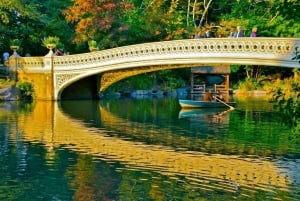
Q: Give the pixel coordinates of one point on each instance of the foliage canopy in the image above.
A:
(114, 23)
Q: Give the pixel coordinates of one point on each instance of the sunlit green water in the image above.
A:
(146, 149)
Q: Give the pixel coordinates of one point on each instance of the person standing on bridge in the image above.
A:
(232, 32)
(254, 32)
(198, 35)
(207, 33)
(239, 32)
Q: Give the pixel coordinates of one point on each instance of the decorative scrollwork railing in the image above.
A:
(246, 47)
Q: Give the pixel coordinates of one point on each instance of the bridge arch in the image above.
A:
(66, 70)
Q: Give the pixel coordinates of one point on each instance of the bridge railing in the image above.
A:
(260, 48)
(31, 62)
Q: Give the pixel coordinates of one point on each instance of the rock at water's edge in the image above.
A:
(10, 93)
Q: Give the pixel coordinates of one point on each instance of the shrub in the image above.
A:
(26, 90)
(51, 40)
(15, 42)
(286, 96)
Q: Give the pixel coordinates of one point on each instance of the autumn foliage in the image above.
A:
(95, 18)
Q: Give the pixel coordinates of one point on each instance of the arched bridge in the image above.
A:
(51, 75)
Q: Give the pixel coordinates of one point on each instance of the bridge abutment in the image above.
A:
(42, 84)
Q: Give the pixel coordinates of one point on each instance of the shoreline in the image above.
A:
(9, 93)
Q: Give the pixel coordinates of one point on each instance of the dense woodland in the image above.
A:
(117, 23)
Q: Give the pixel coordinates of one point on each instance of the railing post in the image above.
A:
(48, 62)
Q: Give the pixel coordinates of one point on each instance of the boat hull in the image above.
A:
(204, 104)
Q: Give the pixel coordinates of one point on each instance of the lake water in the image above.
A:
(146, 149)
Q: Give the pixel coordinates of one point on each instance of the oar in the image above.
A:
(219, 116)
(232, 108)
(224, 112)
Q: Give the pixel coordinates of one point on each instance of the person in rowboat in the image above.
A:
(208, 96)
(219, 96)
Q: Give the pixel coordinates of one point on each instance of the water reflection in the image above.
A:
(141, 148)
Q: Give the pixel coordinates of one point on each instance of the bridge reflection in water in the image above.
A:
(207, 171)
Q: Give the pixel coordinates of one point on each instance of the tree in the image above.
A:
(287, 95)
(31, 21)
(163, 20)
(13, 15)
(199, 12)
(98, 20)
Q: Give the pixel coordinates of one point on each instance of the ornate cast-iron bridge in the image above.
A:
(52, 75)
